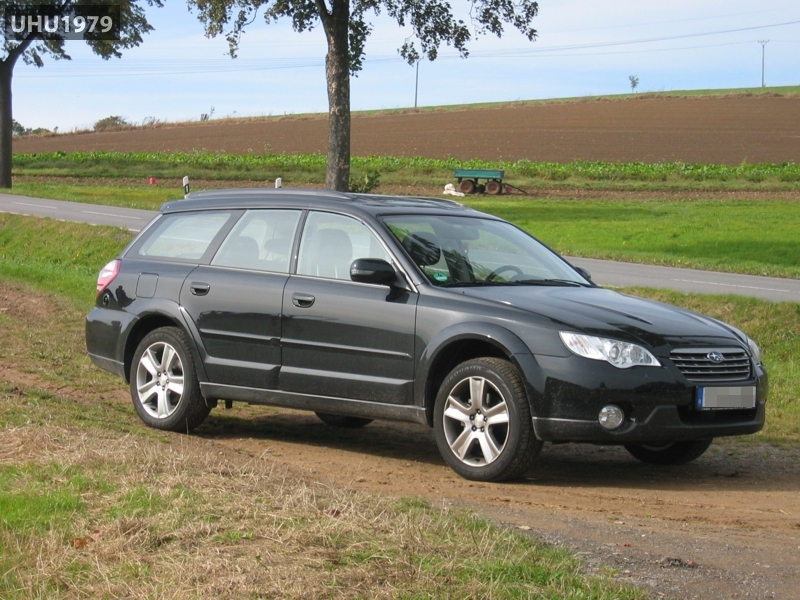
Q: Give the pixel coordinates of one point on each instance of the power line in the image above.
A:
(291, 63)
(692, 20)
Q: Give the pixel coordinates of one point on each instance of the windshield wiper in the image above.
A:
(472, 283)
(568, 282)
(518, 282)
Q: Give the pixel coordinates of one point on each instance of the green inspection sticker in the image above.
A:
(440, 277)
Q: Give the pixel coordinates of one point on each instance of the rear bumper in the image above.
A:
(108, 364)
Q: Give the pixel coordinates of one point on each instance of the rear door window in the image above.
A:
(261, 240)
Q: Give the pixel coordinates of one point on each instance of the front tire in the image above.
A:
(482, 421)
(671, 453)
(164, 386)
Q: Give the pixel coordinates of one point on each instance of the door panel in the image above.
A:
(341, 338)
(352, 341)
(236, 302)
(238, 316)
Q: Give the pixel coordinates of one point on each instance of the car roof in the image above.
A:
(243, 198)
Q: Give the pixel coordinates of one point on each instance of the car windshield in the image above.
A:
(473, 251)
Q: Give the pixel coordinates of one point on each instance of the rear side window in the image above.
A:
(184, 236)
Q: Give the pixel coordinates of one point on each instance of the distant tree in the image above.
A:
(634, 82)
(347, 25)
(33, 48)
(112, 123)
(17, 129)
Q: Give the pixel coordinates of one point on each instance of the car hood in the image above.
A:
(607, 313)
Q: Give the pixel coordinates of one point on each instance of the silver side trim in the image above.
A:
(342, 406)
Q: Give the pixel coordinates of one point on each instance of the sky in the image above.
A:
(583, 48)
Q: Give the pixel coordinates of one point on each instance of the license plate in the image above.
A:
(712, 398)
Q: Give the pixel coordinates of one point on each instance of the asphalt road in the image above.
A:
(94, 214)
(603, 272)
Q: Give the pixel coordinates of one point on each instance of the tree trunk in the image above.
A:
(6, 116)
(337, 71)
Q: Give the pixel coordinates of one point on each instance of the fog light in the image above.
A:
(611, 417)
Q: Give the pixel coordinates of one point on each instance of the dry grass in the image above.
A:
(177, 518)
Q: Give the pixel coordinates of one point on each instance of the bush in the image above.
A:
(366, 184)
(112, 123)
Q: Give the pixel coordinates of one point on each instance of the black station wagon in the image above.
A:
(362, 307)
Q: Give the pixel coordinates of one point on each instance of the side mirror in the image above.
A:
(583, 272)
(372, 270)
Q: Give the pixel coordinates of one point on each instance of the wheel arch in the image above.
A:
(458, 344)
(150, 321)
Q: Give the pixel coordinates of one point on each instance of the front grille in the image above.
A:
(696, 364)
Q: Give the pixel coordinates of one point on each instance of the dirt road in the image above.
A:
(726, 526)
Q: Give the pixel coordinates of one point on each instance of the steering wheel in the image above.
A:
(499, 270)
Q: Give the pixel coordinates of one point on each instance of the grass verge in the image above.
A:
(758, 237)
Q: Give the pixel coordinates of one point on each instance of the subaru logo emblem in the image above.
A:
(715, 357)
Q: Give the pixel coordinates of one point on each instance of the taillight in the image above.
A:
(107, 275)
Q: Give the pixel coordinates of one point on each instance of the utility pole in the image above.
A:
(763, 47)
(416, 86)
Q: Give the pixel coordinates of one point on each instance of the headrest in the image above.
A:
(423, 247)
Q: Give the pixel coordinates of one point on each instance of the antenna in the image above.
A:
(763, 48)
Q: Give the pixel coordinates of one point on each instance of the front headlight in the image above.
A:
(620, 354)
(754, 350)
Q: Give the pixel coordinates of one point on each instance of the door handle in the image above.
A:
(199, 289)
(302, 300)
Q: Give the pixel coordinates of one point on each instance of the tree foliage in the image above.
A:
(432, 21)
(18, 129)
(34, 48)
(347, 25)
(112, 123)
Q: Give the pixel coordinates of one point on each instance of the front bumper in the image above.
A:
(663, 424)
(567, 394)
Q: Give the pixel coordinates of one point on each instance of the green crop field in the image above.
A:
(294, 166)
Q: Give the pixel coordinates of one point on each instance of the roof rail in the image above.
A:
(268, 191)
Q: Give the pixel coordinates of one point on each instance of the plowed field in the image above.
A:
(717, 129)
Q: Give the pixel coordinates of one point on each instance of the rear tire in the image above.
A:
(494, 187)
(343, 420)
(164, 386)
(482, 421)
(671, 453)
